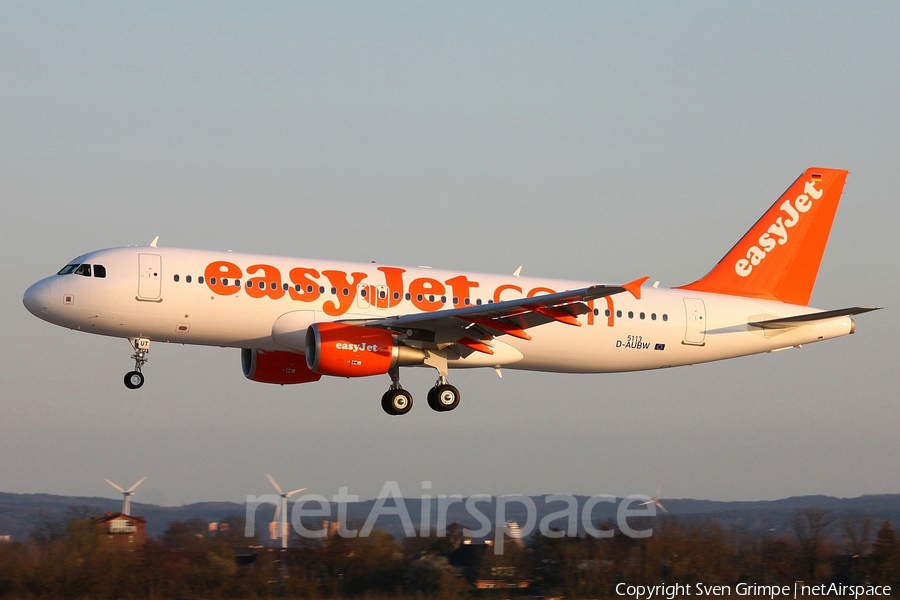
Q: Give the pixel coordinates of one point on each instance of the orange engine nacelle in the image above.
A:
(354, 351)
(274, 366)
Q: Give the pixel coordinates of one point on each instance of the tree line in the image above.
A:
(71, 559)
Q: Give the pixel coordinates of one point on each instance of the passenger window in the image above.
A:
(619, 313)
(478, 302)
(309, 289)
(652, 316)
(408, 296)
(200, 279)
(642, 316)
(606, 312)
(285, 287)
(187, 278)
(321, 289)
(274, 286)
(397, 296)
(665, 317)
(596, 312)
(99, 271)
(237, 283)
(176, 278)
(630, 314)
(83, 270)
(212, 281)
(334, 291)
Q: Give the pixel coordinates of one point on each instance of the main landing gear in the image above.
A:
(442, 397)
(135, 379)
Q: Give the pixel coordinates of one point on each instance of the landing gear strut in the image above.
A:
(135, 379)
(396, 401)
(443, 396)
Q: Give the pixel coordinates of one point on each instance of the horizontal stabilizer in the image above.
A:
(799, 320)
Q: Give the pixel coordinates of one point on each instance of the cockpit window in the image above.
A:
(84, 269)
(68, 269)
(99, 271)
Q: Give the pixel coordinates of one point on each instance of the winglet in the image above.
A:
(634, 287)
(154, 242)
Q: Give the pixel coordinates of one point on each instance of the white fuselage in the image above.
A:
(168, 295)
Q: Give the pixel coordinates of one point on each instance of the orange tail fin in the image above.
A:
(778, 259)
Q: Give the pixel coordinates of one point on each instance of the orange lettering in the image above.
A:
(421, 288)
(503, 288)
(460, 287)
(305, 278)
(267, 285)
(393, 277)
(540, 290)
(339, 281)
(218, 270)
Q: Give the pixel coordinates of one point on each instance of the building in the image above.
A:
(123, 532)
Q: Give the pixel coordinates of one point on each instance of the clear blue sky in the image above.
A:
(595, 141)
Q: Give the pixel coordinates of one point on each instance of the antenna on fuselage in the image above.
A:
(153, 243)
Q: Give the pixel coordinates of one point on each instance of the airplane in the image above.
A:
(296, 320)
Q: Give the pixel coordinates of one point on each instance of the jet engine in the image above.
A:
(354, 351)
(274, 366)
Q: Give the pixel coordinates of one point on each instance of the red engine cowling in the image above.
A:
(354, 351)
(273, 366)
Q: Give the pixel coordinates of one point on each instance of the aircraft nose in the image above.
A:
(37, 299)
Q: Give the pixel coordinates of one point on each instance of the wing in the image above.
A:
(473, 327)
(797, 321)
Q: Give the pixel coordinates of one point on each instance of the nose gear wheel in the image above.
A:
(135, 379)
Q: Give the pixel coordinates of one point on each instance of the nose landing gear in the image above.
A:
(135, 379)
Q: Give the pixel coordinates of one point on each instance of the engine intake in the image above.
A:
(274, 366)
(354, 351)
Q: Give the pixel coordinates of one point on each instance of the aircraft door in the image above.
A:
(695, 322)
(149, 277)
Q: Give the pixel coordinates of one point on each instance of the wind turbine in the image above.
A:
(283, 529)
(655, 500)
(126, 494)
